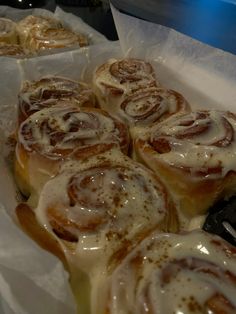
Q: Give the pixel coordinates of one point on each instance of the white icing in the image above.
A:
(125, 195)
(141, 289)
(196, 222)
(198, 152)
(150, 105)
(32, 95)
(88, 128)
(49, 38)
(25, 25)
(103, 81)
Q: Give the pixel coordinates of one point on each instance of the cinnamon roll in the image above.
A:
(11, 50)
(50, 135)
(47, 91)
(148, 105)
(44, 38)
(166, 273)
(98, 210)
(25, 26)
(117, 78)
(195, 155)
(8, 31)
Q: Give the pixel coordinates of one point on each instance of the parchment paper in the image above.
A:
(32, 280)
(205, 75)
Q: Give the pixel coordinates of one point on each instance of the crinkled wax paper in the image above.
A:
(205, 75)
(31, 280)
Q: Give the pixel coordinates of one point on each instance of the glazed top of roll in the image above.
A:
(57, 131)
(25, 25)
(201, 143)
(52, 38)
(169, 273)
(47, 91)
(121, 76)
(104, 205)
(149, 105)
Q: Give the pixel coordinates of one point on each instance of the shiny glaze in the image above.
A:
(168, 273)
(201, 143)
(150, 105)
(117, 78)
(103, 207)
(52, 38)
(29, 22)
(57, 131)
(47, 91)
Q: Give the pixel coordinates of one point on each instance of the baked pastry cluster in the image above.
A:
(35, 34)
(112, 174)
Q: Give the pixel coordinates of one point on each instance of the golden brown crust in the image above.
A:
(30, 225)
(11, 50)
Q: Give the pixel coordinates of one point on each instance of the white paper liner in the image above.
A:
(32, 280)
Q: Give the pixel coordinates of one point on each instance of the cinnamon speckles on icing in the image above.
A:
(150, 105)
(59, 130)
(169, 273)
(202, 142)
(118, 77)
(102, 204)
(129, 90)
(131, 70)
(50, 90)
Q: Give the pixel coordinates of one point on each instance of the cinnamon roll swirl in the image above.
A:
(25, 26)
(166, 273)
(148, 105)
(51, 135)
(195, 155)
(98, 210)
(8, 31)
(117, 78)
(47, 91)
(44, 38)
(11, 50)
